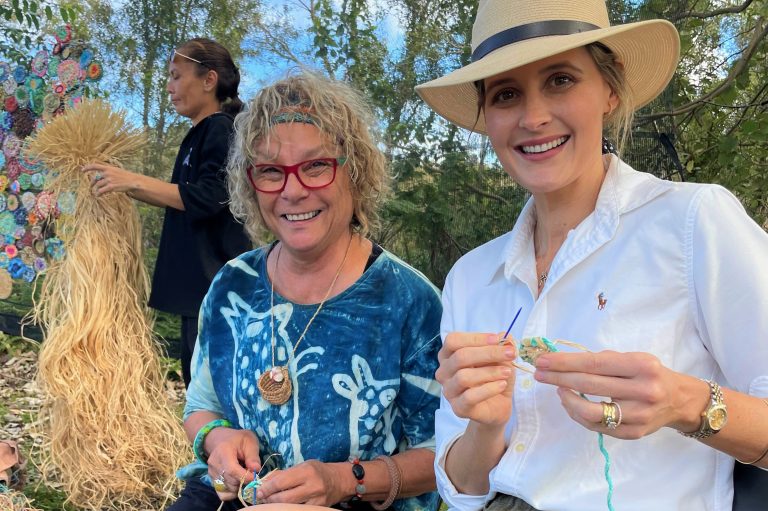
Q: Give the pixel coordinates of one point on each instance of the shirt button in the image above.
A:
(519, 447)
(527, 383)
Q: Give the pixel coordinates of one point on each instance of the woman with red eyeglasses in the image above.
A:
(313, 378)
(199, 232)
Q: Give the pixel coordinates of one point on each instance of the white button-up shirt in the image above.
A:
(679, 266)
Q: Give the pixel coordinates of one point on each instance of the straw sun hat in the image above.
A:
(508, 34)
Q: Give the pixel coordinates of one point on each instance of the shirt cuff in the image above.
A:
(451, 497)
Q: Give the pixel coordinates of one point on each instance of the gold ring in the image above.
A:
(218, 484)
(611, 414)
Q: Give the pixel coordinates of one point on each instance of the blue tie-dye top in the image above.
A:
(362, 377)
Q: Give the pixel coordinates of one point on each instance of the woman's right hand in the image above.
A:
(231, 450)
(478, 376)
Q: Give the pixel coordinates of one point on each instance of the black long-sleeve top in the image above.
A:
(197, 242)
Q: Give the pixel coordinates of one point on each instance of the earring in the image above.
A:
(608, 147)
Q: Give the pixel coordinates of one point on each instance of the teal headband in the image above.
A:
(284, 117)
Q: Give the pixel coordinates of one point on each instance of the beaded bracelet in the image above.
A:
(395, 479)
(359, 472)
(197, 446)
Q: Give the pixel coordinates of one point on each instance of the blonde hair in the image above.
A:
(341, 114)
(618, 123)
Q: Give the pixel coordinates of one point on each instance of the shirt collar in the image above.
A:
(624, 189)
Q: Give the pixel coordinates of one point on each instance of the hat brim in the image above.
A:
(648, 50)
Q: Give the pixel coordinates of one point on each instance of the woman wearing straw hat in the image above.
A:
(317, 352)
(655, 280)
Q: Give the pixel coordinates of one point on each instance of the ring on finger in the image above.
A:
(98, 176)
(611, 414)
(218, 484)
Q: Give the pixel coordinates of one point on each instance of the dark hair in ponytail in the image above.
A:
(216, 57)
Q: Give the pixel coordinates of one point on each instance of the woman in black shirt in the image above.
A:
(199, 233)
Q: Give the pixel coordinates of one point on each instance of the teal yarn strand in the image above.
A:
(600, 441)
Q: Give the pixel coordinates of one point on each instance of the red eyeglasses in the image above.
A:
(312, 174)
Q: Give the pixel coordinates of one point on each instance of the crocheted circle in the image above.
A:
(12, 204)
(5, 71)
(19, 74)
(5, 120)
(40, 265)
(20, 215)
(16, 268)
(12, 170)
(63, 34)
(94, 71)
(34, 83)
(53, 66)
(23, 122)
(85, 58)
(10, 104)
(28, 200)
(38, 179)
(30, 164)
(24, 181)
(11, 146)
(69, 72)
(22, 96)
(11, 251)
(45, 204)
(39, 64)
(66, 202)
(39, 246)
(53, 246)
(51, 102)
(3, 182)
(9, 87)
(7, 223)
(29, 274)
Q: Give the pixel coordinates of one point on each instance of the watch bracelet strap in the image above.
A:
(715, 397)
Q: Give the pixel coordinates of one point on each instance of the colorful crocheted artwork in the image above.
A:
(54, 78)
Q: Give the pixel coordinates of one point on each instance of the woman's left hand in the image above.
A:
(650, 395)
(108, 178)
(311, 482)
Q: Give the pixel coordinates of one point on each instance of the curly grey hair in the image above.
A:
(341, 114)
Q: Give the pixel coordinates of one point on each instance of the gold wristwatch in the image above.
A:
(714, 416)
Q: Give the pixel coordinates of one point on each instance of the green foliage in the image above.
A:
(21, 22)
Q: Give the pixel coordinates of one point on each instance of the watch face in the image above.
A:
(717, 417)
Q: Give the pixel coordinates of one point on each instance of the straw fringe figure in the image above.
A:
(112, 437)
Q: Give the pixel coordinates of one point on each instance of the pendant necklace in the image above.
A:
(543, 279)
(275, 384)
